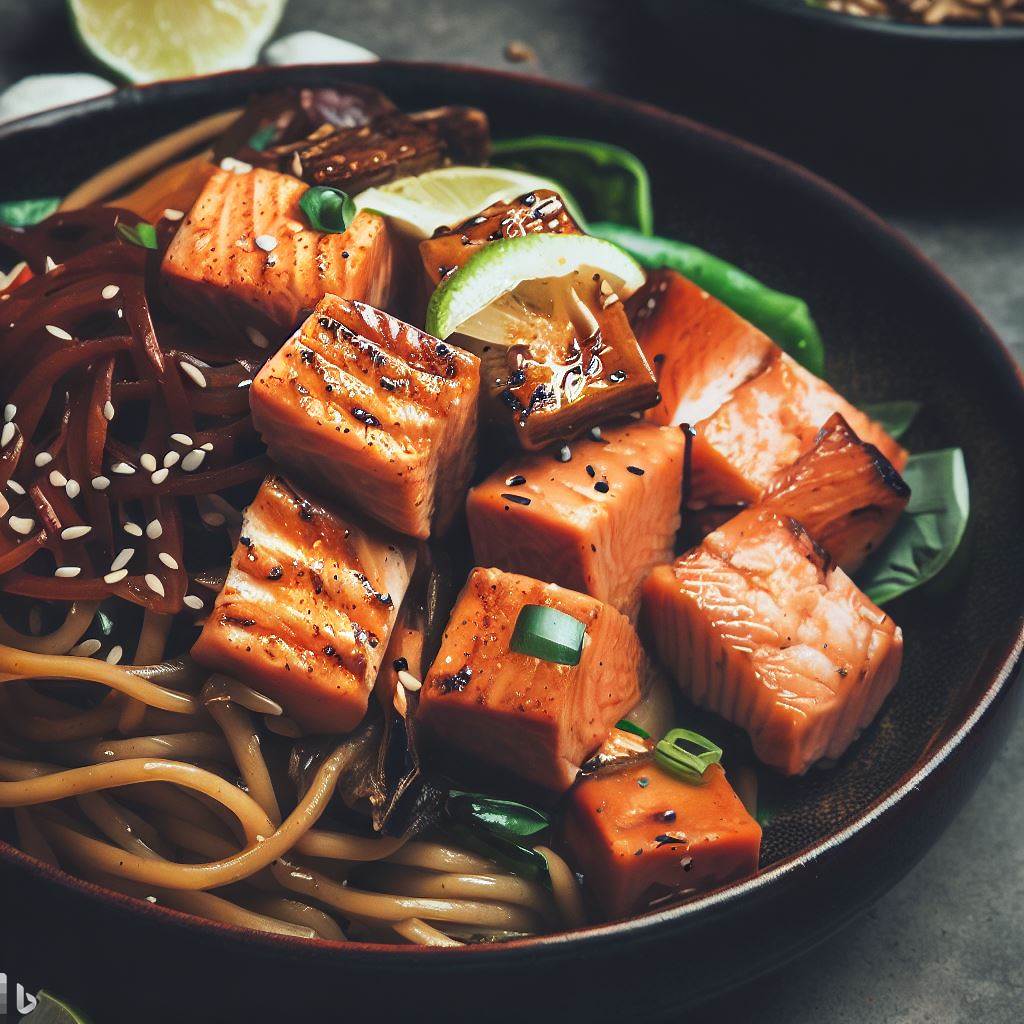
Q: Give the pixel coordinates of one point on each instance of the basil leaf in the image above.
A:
(327, 209)
(786, 319)
(521, 860)
(504, 818)
(263, 138)
(608, 181)
(928, 533)
(141, 234)
(895, 417)
(23, 213)
(627, 726)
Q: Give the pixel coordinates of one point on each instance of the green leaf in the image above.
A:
(327, 209)
(504, 818)
(895, 417)
(521, 860)
(607, 181)
(687, 753)
(929, 531)
(548, 634)
(627, 726)
(141, 234)
(264, 137)
(23, 213)
(786, 319)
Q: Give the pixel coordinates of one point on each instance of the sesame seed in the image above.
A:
(595, 433)
(154, 584)
(132, 528)
(109, 291)
(7, 434)
(207, 446)
(268, 243)
(67, 572)
(57, 478)
(147, 462)
(154, 529)
(15, 486)
(171, 459)
(22, 524)
(244, 383)
(72, 489)
(49, 265)
(108, 411)
(635, 470)
(171, 214)
(124, 556)
(193, 373)
(193, 460)
(564, 453)
(116, 576)
(193, 602)
(123, 468)
(58, 332)
(601, 486)
(10, 411)
(43, 459)
(159, 476)
(297, 165)
(409, 681)
(86, 649)
(169, 560)
(229, 163)
(182, 439)
(74, 532)
(100, 483)
(115, 654)
(258, 338)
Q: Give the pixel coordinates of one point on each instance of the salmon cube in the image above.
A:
(758, 625)
(308, 607)
(596, 524)
(374, 411)
(533, 719)
(843, 491)
(246, 254)
(642, 835)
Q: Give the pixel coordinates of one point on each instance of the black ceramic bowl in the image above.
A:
(895, 328)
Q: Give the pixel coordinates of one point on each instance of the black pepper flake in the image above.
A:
(635, 470)
(591, 472)
(367, 419)
(643, 782)
(601, 486)
(665, 816)
(456, 682)
(515, 481)
(244, 541)
(400, 665)
(517, 379)
(519, 499)
(659, 358)
(671, 839)
(276, 573)
(617, 376)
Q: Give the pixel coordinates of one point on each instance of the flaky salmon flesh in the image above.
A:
(597, 523)
(533, 719)
(308, 606)
(246, 256)
(758, 625)
(755, 410)
(361, 398)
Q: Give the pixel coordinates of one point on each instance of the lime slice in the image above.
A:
(145, 40)
(509, 282)
(422, 203)
(51, 1010)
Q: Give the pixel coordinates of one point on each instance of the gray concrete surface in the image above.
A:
(947, 944)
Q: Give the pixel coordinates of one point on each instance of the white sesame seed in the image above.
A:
(7, 434)
(151, 899)
(15, 486)
(207, 447)
(229, 163)
(155, 529)
(147, 462)
(22, 524)
(109, 291)
(258, 338)
(159, 476)
(133, 529)
(409, 681)
(564, 453)
(193, 460)
(49, 265)
(74, 532)
(58, 332)
(57, 478)
(595, 433)
(244, 383)
(268, 243)
(171, 214)
(297, 165)
(212, 518)
(193, 602)
(123, 468)
(116, 576)
(10, 411)
(154, 584)
(43, 459)
(5, 506)
(182, 439)
(169, 560)
(108, 411)
(193, 373)
(171, 459)
(100, 483)
(115, 654)
(86, 649)
(124, 556)
(72, 489)
(67, 572)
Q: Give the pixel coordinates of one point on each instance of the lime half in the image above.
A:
(50, 1009)
(145, 40)
(422, 203)
(514, 279)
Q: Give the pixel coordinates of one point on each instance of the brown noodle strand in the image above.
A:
(148, 651)
(566, 888)
(32, 840)
(283, 908)
(424, 934)
(78, 619)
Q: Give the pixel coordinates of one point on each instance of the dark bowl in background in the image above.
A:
(895, 328)
(893, 112)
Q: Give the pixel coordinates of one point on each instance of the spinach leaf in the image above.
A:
(23, 213)
(929, 531)
(784, 318)
(608, 181)
(327, 209)
(895, 417)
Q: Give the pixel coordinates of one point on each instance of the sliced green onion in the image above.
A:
(327, 209)
(23, 213)
(263, 138)
(627, 726)
(548, 634)
(141, 234)
(689, 761)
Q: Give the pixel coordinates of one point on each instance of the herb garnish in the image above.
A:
(548, 634)
(328, 209)
(141, 234)
(687, 753)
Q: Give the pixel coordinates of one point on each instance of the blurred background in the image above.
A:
(923, 122)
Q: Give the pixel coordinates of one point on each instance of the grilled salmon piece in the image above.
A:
(246, 256)
(843, 491)
(374, 412)
(759, 625)
(539, 212)
(596, 524)
(308, 606)
(642, 836)
(533, 719)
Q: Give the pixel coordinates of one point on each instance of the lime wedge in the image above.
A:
(510, 281)
(51, 1010)
(145, 40)
(422, 203)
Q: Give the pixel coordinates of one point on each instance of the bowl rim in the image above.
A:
(1002, 662)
